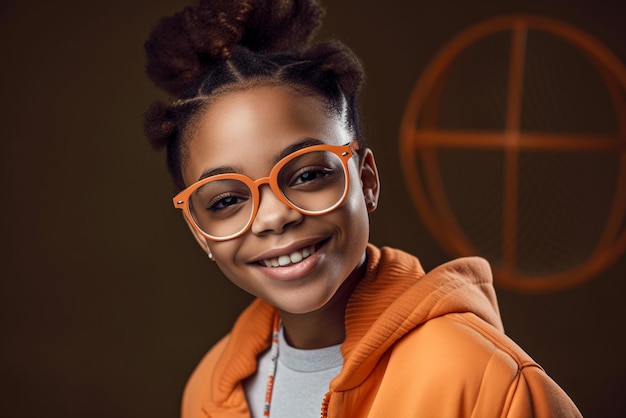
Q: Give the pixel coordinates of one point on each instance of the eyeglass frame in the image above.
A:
(344, 152)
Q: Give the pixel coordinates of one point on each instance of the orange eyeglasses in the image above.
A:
(313, 180)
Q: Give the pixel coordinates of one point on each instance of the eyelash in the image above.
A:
(319, 171)
(217, 200)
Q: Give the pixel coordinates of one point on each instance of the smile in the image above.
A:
(289, 259)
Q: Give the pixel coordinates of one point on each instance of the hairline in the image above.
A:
(207, 100)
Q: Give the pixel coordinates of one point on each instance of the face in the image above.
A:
(246, 131)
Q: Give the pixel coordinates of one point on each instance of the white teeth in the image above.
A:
(283, 260)
(294, 257)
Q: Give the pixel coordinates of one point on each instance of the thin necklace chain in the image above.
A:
(273, 364)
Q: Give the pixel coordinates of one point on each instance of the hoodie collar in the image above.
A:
(396, 296)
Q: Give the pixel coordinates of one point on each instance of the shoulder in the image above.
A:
(461, 355)
(197, 389)
(463, 343)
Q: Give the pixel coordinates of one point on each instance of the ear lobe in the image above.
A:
(370, 181)
(200, 239)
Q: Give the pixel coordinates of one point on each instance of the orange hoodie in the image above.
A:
(417, 345)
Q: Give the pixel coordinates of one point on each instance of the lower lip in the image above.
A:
(294, 271)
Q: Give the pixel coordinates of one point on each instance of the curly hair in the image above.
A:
(218, 46)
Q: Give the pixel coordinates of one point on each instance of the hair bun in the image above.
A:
(340, 60)
(282, 25)
(182, 49)
(159, 124)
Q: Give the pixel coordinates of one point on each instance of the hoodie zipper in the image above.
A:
(325, 403)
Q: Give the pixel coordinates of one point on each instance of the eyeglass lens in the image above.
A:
(312, 182)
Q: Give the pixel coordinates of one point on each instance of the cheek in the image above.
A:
(225, 253)
(356, 199)
(230, 270)
(355, 215)
(229, 259)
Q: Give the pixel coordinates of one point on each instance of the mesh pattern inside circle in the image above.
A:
(564, 194)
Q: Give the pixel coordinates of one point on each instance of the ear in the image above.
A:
(200, 239)
(369, 180)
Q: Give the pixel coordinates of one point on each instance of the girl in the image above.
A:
(276, 183)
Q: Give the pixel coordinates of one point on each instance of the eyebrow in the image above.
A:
(216, 171)
(305, 143)
(226, 169)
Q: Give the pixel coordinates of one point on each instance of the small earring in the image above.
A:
(371, 206)
(210, 254)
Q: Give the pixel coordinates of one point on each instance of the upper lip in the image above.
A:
(285, 250)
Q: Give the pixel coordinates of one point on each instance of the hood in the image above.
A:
(396, 296)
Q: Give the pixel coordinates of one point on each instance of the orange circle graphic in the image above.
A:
(550, 213)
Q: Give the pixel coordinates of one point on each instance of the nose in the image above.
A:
(273, 215)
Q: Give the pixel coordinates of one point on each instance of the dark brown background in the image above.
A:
(106, 301)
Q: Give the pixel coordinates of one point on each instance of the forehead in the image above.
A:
(247, 129)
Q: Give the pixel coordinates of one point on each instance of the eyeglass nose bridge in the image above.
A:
(272, 182)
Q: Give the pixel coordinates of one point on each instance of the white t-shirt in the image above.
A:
(300, 383)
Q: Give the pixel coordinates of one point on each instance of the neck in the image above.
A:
(323, 327)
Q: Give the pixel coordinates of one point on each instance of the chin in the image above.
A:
(300, 307)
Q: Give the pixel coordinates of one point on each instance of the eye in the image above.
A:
(225, 201)
(309, 174)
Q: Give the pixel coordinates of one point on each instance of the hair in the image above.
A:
(220, 46)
